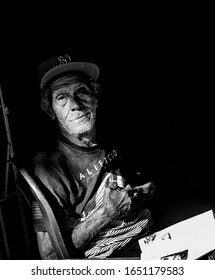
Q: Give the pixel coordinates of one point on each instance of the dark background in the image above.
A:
(157, 97)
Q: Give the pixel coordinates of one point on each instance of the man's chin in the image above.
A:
(80, 129)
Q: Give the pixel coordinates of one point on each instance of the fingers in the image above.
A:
(145, 188)
(127, 188)
(116, 201)
(116, 181)
(112, 182)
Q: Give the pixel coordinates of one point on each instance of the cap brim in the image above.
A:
(89, 69)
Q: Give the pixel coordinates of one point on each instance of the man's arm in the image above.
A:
(115, 203)
(46, 249)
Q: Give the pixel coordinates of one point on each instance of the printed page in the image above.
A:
(189, 239)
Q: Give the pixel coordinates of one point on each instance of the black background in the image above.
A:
(157, 92)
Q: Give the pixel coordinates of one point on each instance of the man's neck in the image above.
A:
(85, 140)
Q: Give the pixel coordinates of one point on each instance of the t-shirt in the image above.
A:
(77, 176)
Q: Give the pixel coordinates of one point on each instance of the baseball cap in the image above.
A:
(55, 67)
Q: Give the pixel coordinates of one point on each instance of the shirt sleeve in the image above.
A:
(66, 220)
(56, 188)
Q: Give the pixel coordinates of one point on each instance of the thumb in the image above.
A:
(112, 181)
(127, 188)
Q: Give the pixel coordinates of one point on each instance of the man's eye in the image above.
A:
(61, 97)
(83, 90)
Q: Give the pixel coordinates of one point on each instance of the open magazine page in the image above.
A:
(189, 239)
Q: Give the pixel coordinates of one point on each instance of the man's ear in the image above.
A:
(97, 91)
(47, 110)
(52, 115)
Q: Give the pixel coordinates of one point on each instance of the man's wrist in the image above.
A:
(105, 214)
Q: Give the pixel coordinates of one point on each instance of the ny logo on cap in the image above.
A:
(63, 59)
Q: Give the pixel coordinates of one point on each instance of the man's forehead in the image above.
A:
(69, 80)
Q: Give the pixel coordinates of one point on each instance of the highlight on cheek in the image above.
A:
(60, 97)
(61, 101)
(78, 126)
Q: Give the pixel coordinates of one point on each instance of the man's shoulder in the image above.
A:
(40, 157)
(46, 158)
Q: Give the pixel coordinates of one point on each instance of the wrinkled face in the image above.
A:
(74, 104)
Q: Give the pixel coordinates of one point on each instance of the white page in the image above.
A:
(196, 234)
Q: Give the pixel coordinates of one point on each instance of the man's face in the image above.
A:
(74, 105)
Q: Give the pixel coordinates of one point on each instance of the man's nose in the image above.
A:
(74, 103)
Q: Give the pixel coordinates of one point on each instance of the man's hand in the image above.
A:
(147, 189)
(119, 200)
(116, 201)
(143, 193)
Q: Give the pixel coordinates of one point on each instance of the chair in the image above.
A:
(51, 223)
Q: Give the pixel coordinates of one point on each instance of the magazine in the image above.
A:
(189, 239)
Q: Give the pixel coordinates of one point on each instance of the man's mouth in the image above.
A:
(84, 115)
(78, 118)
